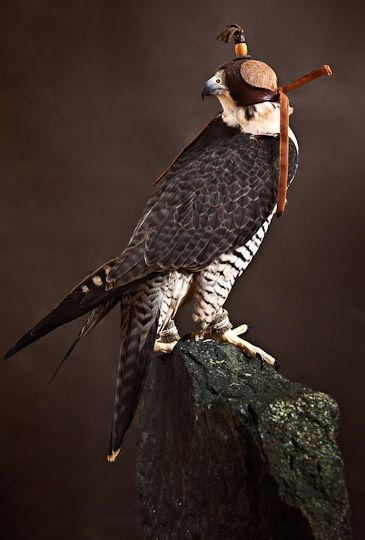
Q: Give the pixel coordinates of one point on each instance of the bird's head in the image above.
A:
(243, 81)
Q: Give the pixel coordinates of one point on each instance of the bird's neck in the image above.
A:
(260, 119)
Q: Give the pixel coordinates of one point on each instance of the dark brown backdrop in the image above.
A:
(95, 99)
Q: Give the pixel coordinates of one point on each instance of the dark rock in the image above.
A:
(228, 448)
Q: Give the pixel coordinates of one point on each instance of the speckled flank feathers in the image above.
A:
(215, 282)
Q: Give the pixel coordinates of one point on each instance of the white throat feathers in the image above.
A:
(260, 119)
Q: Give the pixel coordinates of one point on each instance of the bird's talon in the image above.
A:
(250, 350)
(164, 348)
(260, 359)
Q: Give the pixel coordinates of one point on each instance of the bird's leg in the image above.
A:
(222, 324)
(221, 330)
(167, 338)
(219, 325)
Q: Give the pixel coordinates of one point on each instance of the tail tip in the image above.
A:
(113, 455)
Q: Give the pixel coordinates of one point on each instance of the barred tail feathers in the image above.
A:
(140, 310)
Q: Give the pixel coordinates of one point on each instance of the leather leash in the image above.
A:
(284, 131)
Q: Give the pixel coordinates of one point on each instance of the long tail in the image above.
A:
(86, 296)
(140, 311)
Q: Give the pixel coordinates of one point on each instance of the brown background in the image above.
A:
(95, 99)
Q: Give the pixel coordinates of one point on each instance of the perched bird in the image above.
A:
(199, 231)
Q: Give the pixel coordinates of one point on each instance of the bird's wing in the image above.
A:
(87, 295)
(221, 188)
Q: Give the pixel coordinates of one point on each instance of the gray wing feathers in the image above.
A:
(217, 193)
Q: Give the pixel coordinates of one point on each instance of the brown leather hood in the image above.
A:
(244, 94)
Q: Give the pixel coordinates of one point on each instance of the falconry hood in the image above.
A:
(251, 81)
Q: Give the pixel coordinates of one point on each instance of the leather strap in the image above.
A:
(324, 70)
(284, 153)
(284, 131)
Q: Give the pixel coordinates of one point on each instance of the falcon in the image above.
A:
(198, 232)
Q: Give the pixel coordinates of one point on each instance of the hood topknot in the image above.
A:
(249, 81)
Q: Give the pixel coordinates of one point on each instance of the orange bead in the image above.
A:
(240, 49)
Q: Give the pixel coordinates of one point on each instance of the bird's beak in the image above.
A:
(211, 88)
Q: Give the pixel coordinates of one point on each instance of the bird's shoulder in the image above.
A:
(215, 142)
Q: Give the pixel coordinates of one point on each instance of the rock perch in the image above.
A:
(230, 449)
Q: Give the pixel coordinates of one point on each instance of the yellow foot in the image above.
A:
(231, 337)
(241, 329)
(162, 347)
(208, 335)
